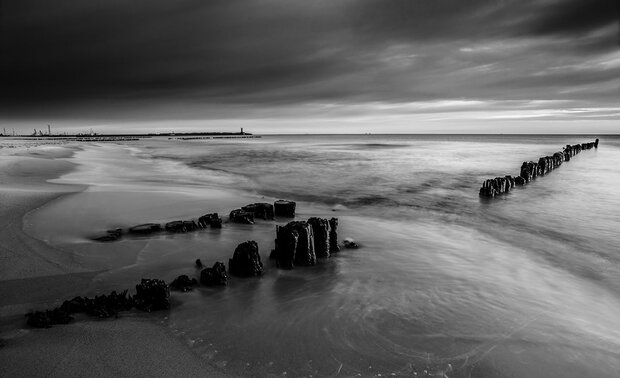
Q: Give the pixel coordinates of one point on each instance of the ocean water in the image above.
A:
(445, 283)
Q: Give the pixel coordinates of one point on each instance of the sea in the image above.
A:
(445, 283)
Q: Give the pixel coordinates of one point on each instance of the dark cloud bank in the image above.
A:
(120, 58)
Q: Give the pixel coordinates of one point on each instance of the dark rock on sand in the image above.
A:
(183, 283)
(241, 216)
(284, 208)
(106, 306)
(75, 305)
(214, 276)
(320, 231)
(260, 210)
(152, 294)
(176, 226)
(246, 260)
(45, 319)
(111, 235)
(146, 228)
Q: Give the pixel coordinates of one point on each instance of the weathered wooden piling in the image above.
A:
(333, 235)
(285, 248)
(260, 210)
(320, 230)
(241, 216)
(530, 170)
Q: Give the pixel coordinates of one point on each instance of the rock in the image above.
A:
(74, 306)
(39, 319)
(241, 216)
(333, 235)
(246, 260)
(146, 228)
(320, 231)
(106, 306)
(304, 253)
(190, 225)
(286, 245)
(176, 226)
(350, 244)
(111, 235)
(284, 208)
(45, 319)
(152, 294)
(102, 306)
(183, 283)
(199, 264)
(214, 276)
(210, 220)
(260, 210)
(216, 223)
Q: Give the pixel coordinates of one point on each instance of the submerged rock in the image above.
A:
(199, 264)
(246, 260)
(350, 244)
(283, 208)
(214, 276)
(183, 283)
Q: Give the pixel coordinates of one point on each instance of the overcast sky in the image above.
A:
(311, 65)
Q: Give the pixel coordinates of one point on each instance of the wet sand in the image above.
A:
(35, 275)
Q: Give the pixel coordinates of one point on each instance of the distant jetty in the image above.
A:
(132, 137)
(530, 170)
(95, 137)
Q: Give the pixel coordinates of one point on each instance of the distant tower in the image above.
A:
(242, 131)
(49, 130)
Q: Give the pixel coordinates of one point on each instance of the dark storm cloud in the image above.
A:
(266, 51)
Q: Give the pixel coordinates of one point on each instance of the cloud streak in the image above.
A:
(88, 59)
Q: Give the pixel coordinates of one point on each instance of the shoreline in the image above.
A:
(36, 274)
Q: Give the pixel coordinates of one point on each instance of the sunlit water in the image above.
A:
(445, 283)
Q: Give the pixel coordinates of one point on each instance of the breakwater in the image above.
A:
(530, 170)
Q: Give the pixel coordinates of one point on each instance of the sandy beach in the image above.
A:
(35, 275)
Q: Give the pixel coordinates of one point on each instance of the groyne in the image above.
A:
(298, 243)
(530, 170)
